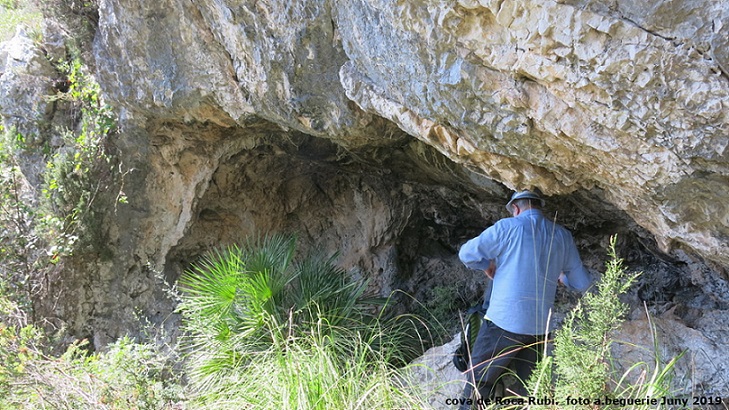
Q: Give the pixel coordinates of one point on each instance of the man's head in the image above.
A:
(522, 200)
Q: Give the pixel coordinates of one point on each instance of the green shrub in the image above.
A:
(254, 313)
(18, 342)
(582, 364)
(16, 12)
(126, 376)
(80, 174)
(582, 345)
(259, 291)
(82, 170)
(20, 243)
(35, 230)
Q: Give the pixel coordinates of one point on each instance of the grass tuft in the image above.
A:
(13, 13)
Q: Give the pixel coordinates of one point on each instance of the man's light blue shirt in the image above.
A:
(530, 251)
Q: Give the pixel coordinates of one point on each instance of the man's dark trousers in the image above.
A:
(494, 350)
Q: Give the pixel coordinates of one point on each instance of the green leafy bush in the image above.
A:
(16, 12)
(582, 345)
(127, 376)
(582, 363)
(259, 292)
(18, 342)
(254, 314)
(20, 243)
(82, 170)
(36, 231)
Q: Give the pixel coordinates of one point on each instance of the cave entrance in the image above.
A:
(397, 216)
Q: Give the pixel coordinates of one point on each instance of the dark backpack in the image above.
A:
(473, 320)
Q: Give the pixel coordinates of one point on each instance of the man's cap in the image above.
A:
(524, 195)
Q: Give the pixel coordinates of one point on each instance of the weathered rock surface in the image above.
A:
(557, 95)
(435, 374)
(550, 95)
(392, 131)
(24, 91)
(667, 336)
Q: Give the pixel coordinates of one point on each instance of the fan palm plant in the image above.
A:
(243, 300)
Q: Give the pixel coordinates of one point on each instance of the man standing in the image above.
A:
(525, 256)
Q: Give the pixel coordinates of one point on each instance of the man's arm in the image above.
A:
(479, 252)
(574, 271)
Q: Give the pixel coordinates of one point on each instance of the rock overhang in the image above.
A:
(620, 120)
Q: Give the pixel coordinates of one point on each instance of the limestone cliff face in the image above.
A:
(562, 97)
(392, 131)
(622, 100)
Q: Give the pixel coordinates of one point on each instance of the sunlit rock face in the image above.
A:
(561, 97)
(569, 95)
(393, 131)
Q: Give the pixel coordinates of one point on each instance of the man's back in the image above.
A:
(530, 251)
